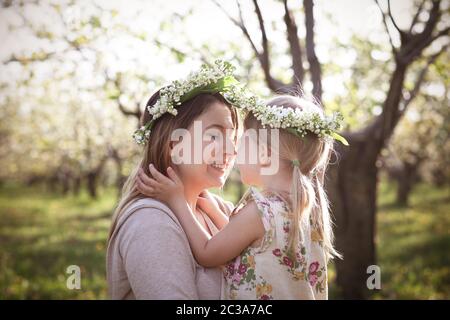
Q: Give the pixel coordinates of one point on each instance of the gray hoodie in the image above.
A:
(149, 257)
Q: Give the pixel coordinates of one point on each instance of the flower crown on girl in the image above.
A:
(218, 78)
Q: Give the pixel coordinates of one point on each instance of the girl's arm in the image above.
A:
(239, 233)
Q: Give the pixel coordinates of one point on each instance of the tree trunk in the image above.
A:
(403, 191)
(120, 178)
(52, 182)
(76, 185)
(405, 183)
(92, 183)
(65, 182)
(92, 177)
(440, 177)
(352, 188)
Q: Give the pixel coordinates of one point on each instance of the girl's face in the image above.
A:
(250, 162)
(210, 148)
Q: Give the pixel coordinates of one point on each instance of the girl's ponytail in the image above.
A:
(310, 208)
(302, 197)
(320, 217)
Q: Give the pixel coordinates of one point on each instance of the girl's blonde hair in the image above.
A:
(157, 149)
(308, 158)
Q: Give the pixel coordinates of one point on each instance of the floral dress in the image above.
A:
(269, 271)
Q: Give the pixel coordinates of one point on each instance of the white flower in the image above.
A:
(272, 116)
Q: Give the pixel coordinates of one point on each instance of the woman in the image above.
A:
(148, 254)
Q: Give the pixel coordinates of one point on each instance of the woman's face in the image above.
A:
(208, 149)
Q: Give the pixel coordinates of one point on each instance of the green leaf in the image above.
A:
(229, 81)
(339, 138)
(211, 88)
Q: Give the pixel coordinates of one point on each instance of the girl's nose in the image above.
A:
(230, 147)
(232, 151)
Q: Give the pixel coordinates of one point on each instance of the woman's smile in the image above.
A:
(220, 168)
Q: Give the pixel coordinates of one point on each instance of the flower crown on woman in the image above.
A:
(218, 78)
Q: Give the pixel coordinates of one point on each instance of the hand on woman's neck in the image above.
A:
(191, 195)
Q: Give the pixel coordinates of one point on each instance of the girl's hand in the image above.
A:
(207, 203)
(166, 189)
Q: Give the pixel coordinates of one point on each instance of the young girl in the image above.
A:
(277, 242)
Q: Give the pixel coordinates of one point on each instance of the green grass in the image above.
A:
(413, 244)
(41, 234)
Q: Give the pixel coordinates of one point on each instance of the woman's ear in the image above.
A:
(174, 157)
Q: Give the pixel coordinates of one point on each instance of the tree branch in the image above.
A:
(294, 44)
(383, 14)
(314, 65)
(416, 16)
(400, 31)
(137, 113)
(176, 51)
(421, 77)
(128, 113)
(382, 126)
(416, 43)
(240, 24)
(444, 32)
(246, 33)
(262, 56)
(272, 83)
(264, 41)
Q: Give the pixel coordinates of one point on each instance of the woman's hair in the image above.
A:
(311, 155)
(157, 150)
